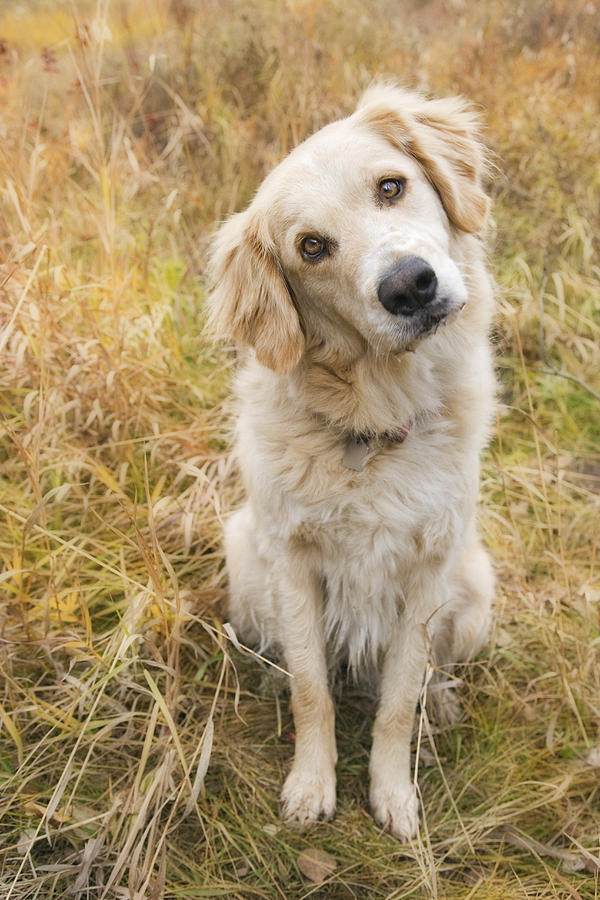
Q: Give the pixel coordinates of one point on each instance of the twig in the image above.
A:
(569, 377)
(572, 862)
(552, 370)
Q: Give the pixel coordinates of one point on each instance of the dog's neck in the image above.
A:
(368, 397)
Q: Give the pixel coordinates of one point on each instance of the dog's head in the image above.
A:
(350, 238)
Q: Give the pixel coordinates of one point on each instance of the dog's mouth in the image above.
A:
(429, 320)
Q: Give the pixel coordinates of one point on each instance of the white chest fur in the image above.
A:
(365, 533)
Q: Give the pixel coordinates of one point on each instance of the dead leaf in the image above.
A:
(316, 865)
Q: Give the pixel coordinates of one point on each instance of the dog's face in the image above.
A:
(349, 238)
(362, 238)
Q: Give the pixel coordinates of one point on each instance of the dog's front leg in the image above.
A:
(309, 790)
(393, 794)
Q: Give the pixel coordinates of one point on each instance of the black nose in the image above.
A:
(408, 287)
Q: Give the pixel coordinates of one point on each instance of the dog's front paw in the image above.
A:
(308, 796)
(396, 808)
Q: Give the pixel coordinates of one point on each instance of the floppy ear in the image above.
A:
(443, 136)
(249, 300)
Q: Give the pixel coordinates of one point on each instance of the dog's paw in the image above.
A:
(308, 796)
(396, 809)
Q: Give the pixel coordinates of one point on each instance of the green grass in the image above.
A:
(141, 755)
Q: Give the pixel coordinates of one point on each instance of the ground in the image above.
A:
(141, 753)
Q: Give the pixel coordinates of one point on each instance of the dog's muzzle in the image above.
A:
(409, 287)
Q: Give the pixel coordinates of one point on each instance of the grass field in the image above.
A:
(141, 755)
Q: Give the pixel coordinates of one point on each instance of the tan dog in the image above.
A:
(356, 280)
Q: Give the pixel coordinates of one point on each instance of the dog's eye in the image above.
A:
(312, 247)
(391, 188)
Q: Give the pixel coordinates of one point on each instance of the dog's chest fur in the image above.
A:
(366, 533)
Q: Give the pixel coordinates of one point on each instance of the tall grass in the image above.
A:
(140, 753)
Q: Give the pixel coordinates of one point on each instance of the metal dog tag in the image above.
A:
(356, 453)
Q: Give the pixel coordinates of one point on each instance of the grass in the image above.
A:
(141, 755)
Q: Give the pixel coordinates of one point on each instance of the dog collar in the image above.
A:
(359, 447)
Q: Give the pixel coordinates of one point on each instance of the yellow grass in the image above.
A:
(141, 754)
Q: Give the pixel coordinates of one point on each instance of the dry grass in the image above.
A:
(140, 755)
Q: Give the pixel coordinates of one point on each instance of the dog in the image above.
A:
(355, 285)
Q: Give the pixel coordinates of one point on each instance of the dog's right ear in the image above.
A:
(249, 300)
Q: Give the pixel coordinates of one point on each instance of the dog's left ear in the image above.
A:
(249, 300)
(443, 136)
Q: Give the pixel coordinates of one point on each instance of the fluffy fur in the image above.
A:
(381, 566)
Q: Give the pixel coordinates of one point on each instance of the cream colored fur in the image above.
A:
(380, 567)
